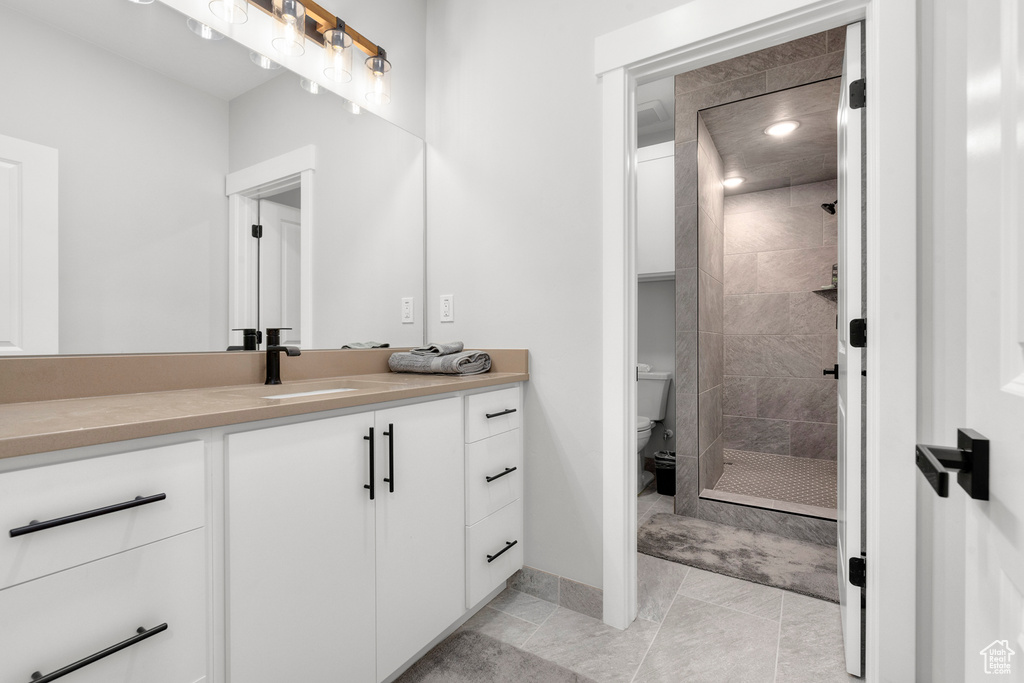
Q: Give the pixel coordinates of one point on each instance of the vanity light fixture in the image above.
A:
(337, 55)
(202, 30)
(312, 87)
(782, 128)
(263, 61)
(231, 11)
(735, 181)
(289, 27)
(378, 77)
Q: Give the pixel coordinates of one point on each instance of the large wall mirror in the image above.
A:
(151, 125)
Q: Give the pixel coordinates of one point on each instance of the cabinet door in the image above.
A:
(655, 214)
(421, 574)
(301, 553)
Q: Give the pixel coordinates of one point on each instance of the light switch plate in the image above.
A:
(407, 310)
(447, 308)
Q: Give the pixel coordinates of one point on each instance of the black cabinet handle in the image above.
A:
(390, 479)
(504, 412)
(33, 527)
(508, 470)
(370, 485)
(508, 544)
(834, 371)
(142, 634)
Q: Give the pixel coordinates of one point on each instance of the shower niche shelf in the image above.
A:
(829, 292)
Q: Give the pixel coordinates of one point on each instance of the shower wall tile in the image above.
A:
(711, 249)
(686, 299)
(705, 141)
(709, 410)
(773, 355)
(829, 350)
(815, 194)
(810, 529)
(686, 236)
(757, 313)
(800, 270)
(687, 484)
(805, 400)
(686, 120)
(686, 361)
(798, 227)
(739, 397)
(757, 201)
(710, 364)
(807, 71)
(740, 273)
(813, 440)
(811, 313)
(712, 465)
(729, 91)
(762, 60)
(836, 39)
(710, 306)
(686, 173)
(830, 230)
(686, 424)
(756, 435)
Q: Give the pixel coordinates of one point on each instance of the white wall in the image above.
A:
(367, 208)
(656, 346)
(140, 269)
(514, 226)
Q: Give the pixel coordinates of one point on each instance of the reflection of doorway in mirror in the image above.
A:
(279, 266)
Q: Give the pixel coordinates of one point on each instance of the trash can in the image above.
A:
(665, 472)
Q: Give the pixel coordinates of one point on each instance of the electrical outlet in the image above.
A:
(447, 308)
(407, 310)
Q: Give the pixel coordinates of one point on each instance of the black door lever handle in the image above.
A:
(834, 371)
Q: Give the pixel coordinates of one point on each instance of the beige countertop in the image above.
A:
(40, 426)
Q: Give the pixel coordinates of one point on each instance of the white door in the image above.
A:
(994, 572)
(279, 269)
(28, 248)
(850, 483)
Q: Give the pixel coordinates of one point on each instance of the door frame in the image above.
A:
(287, 171)
(698, 34)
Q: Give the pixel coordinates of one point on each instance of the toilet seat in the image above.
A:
(643, 423)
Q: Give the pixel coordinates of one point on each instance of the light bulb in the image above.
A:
(289, 27)
(337, 55)
(378, 79)
(782, 128)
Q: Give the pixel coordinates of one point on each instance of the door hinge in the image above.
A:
(257, 231)
(859, 571)
(859, 333)
(858, 94)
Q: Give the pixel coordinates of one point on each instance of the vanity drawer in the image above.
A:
(488, 537)
(490, 459)
(60, 491)
(491, 413)
(57, 620)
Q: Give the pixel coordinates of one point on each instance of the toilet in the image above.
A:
(651, 401)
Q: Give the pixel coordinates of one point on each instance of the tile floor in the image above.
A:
(806, 481)
(693, 626)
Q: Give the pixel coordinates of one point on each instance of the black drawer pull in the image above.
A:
(370, 485)
(508, 544)
(38, 677)
(508, 470)
(33, 527)
(504, 412)
(390, 479)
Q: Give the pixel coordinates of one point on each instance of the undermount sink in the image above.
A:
(309, 393)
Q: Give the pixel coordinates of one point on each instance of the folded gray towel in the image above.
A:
(465, 363)
(365, 345)
(438, 349)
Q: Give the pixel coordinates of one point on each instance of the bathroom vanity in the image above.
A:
(336, 536)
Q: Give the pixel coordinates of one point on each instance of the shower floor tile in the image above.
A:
(804, 481)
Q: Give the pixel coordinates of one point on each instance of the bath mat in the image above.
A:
(757, 556)
(472, 657)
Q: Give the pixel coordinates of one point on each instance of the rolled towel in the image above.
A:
(465, 363)
(643, 367)
(438, 349)
(365, 345)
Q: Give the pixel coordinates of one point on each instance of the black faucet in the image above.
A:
(251, 339)
(274, 348)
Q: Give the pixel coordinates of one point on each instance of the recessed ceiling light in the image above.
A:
(782, 128)
(202, 30)
(733, 182)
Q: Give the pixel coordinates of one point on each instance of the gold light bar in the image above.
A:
(322, 20)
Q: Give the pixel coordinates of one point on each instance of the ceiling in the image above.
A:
(807, 155)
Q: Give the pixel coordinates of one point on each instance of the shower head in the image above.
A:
(830, 209)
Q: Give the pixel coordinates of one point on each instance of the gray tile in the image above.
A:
(739, 498)
(710, 360)
(820, 531)
(589, 647)
(709, 417)
(739, 396)
(757, 201)
(744, 355)
(710, 247)
(757, 313)
(686, 424)
(699, 641)
(501, 626)
(536, 583)
(807, 71)
(579, 597)
(686, 173)
(801, 509)
(745, 65)
(523, 606)
(740, 274)
(686, 236)
(686, 361)
(709, 186)
(710, 306)
(799, 270)
(711, 465)
(811, 313)
(724, 92)
(752, 598)
(797, 227)
(830, 230)
(773, 355)
(810, 642)
(686, 120)
(815, 194)
(829, 350)
(705, 141)
(756, 435)
(687, 486)
(813, 440)
(805, 400)
(658, 583)
(686, 298)
(836, 39)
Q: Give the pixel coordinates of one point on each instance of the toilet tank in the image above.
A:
(652, 394)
